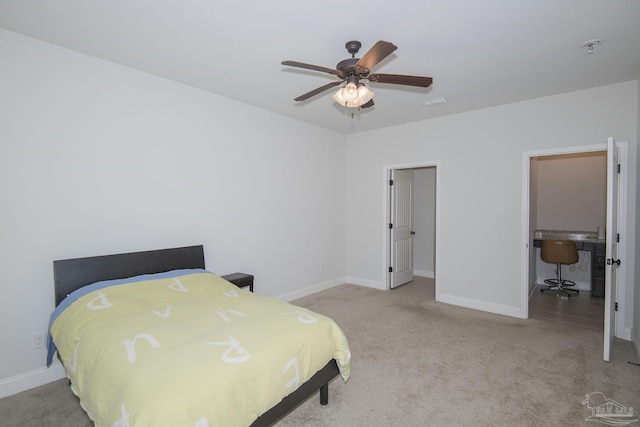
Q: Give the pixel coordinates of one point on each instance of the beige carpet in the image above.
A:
(417, 362)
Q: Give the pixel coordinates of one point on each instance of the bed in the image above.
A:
(138, 284)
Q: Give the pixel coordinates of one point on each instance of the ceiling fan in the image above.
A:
(354, 94)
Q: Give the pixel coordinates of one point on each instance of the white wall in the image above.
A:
(480, 173)
(97, 158)
(571, 191)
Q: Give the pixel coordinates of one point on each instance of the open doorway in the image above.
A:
(411, 229)
(615, 246)
(568, 200)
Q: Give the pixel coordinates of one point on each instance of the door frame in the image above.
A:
(619, 331)
(386, 206)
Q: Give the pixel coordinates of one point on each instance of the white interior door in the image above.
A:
(612, 262)
(401, 227)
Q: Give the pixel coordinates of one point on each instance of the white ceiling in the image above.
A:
(479, 53)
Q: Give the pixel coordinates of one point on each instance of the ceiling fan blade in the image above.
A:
(313, 67)
(377, 53)
(318, 90)
(399, 79)
(368, 104)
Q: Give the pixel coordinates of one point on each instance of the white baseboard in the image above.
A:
(450, 299)
(490, 307)
(299, 293)
(365, 282)
(624, 333)
(424, 273)
(31, 379)
(376, 284)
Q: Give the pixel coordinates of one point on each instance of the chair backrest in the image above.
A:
(559, 252)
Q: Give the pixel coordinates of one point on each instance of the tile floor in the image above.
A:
(580, 309)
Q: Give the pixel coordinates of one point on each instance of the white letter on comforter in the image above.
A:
(202, 422)
(73, 362)
(303, 317)
(131, 345)
(294, 382)
(104, 302)
(124, 421)
(226, 318)
(166, 314)
(177, 286)
(233, 346)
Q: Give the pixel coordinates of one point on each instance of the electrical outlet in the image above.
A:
(470, 283)
(38, 340)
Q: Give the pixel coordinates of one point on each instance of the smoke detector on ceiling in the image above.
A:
(591, 45)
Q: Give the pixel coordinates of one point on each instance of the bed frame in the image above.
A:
(71, 274)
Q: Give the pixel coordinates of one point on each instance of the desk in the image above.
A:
(585, 241)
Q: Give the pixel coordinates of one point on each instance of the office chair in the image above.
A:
(559, 252)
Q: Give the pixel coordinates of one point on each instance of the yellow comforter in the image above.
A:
(190, 350)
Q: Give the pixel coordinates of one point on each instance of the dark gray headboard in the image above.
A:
(71, 274)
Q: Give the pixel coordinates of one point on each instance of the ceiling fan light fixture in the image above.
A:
(352, 96)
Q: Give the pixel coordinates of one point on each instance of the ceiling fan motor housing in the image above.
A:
(353, 47)
(347, 66)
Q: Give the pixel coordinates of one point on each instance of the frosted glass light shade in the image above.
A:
(353, 96)
(350, 93)
(364, 95)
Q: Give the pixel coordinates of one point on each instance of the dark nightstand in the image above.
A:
(240, 280)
